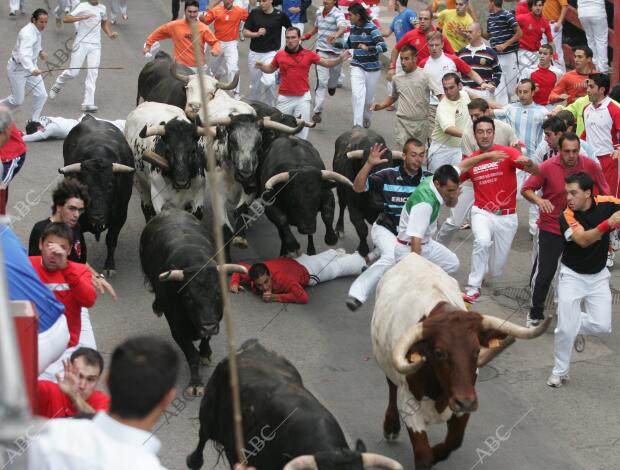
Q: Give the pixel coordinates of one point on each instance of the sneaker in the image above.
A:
(366, 123)
(317, 118)
(13, 13)
(580, 343)
(353, 303)
(556, 380)
(471, 294)
(59, 22)
(125, 17)
(53, 92)
(533, 322)
(610, 258)
(89, 108)
(331, 91)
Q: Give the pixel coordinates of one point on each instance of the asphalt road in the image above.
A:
(575, 427)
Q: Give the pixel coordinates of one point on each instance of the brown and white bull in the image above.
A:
(430, 347)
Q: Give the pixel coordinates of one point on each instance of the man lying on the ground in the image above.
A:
(49, 127)
(75, 392)
(284, 279)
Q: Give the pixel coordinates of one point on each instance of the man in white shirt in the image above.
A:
(121, 438)
(22, 69)
(48, 127)
(86, 47)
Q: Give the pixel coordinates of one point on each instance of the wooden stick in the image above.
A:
(220, 258)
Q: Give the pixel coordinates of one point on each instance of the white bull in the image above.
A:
(170, 165)
(429, 347)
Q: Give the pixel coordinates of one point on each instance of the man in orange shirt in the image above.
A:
(554, 11)
(573, 84)
(226, 18)
(180, 31)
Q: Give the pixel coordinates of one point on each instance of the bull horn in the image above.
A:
(232, 268)
(278, 126)
(406, 340)
(155, 159)
(310, 124)
(488, 354)
(172, 275)
(490, 322)
(355, 154)
(221, 121)
(231, 85)
(179, 76)
(120, 168)
(73, 168)
(277, 179)
(206, 131)
(379, 461)
(150, 131)
(397, 155)
(303, 462)
(336, 177)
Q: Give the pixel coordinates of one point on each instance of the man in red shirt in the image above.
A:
(284, 279)
(75, 392)
(417, 38)
(545, 76)
(572, 85)
(227, 19)
(533, 25)
(294, 63)
(12, 153)
(71, 282)
(549, 242)
(494, 219)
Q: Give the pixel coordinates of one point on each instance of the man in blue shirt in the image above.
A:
(403, 22)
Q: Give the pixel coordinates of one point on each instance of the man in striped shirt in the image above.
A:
(330, 25)
(483, 60)
(504, 33)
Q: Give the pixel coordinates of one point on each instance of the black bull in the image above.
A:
(156, 83)
(97, 154)
(285, 426)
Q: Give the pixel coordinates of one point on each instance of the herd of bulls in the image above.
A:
(428, 345)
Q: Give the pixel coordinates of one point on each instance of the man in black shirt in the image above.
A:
(69, 200)
(393, 186)
(264, 27)
(585, 224)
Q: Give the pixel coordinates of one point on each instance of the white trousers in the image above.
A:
(533, 213)
(53, 343)
(298, 106)
(262, 85)
(557, 44)
(363, 87)
(593, 290)
(117, 8)
(87, 340)
(432, 251)
(528, 63)
(325, 78)
(597, 36)
(15, 5)
(64, 6)
(19, 79)
(458, 214)
(493, 235)
(510, 75)
(229, 57)
(91, 53)
(441, 154)
(330, 265)
(384, 242)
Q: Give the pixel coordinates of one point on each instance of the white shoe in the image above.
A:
(557, 380)
(53, 93)
(533, 322)
(89, 108)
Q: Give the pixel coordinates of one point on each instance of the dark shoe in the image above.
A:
(353, 303)
(331, 91)
(317, 118)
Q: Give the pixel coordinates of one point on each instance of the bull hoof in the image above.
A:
(331, 238)
(194, 390)
(340, 234)
(240, 242)
(194, 461)
(390, 436)
(295, 254)
(109, 272)
(205, 360)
